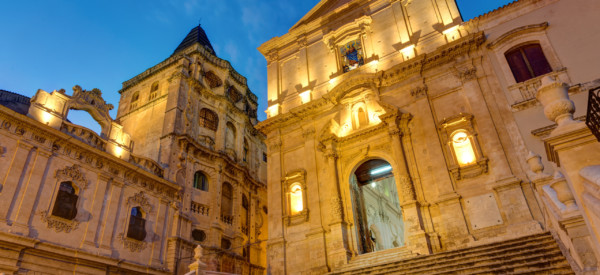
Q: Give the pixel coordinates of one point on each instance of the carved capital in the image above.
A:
(408, 193)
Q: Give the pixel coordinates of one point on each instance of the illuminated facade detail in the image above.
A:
(352, 55)
(296, 204)
(294, 185)
(376, 207)
(128, 199)
(462, 149)
(437, 100)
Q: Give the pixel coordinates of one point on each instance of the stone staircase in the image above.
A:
(535, 254)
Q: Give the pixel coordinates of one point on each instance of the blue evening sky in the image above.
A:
(54, 44)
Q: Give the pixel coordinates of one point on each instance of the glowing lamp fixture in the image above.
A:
(273, 110)
(463, 149)
(305, 96)
(296, 204)
(408, 52)
(381, 170)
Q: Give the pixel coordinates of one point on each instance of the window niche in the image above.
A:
(200, 181)
(135, 98)
(135, 233)
(347, 43)
(462, 150)
(294, 187)
(62, 212)
(208, 119)
(153, 91)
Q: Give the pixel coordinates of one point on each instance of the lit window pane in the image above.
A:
(463, 149)
(296, 203)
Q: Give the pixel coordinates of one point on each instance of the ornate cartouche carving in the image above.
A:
(59, 224)
(131, 244)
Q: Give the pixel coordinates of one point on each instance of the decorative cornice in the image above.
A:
(86, 155)
(516, 32)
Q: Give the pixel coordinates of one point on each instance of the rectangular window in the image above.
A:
(264, 157)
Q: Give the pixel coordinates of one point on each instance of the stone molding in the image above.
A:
(517, 32)
(140, 199)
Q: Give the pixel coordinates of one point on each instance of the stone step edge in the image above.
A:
(453, 254)
(474, 249)
(486, 263)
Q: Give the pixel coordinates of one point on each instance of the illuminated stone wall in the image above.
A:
(409, 83)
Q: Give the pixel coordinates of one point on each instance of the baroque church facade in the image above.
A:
(182, 165)
(402, 140)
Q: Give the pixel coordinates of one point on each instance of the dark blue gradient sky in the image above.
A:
(54, 44)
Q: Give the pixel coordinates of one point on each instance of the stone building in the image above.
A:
(401, 139)
(181, 165)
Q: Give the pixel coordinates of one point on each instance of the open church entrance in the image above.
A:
(377, 212)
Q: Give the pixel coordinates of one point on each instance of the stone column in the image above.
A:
(111, 216)
(337, 239)
(276, 252)
(29, 194)
(97, 207)
(316, 235)
(416, 238)
(18, 164)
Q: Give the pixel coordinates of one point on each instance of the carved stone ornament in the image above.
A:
(59, 224)
(408, 194)
(72, 173)
(336, 207)
(139, 199)
(131, 244)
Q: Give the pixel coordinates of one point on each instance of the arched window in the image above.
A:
(463, 148)
(230, 136)
(213, 80)
(200, 181)
(527, 62)
(208, 119)
(153, 91)
(137, 225)
(226, 200)
(65, 205)
(134, 100)
(246, 151)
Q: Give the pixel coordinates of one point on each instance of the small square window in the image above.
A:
(264, 157)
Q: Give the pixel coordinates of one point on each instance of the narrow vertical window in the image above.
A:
(200, 181)
(226, 202)
(65, 205)
(137, 225)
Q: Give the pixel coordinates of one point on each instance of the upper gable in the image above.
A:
(321, 9)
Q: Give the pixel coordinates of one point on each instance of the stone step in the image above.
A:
(535, 254)
(452, 255)
(474, 267)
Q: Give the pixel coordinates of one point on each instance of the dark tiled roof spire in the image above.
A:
(196, 35)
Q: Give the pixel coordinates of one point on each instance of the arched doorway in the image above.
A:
(377, 211)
